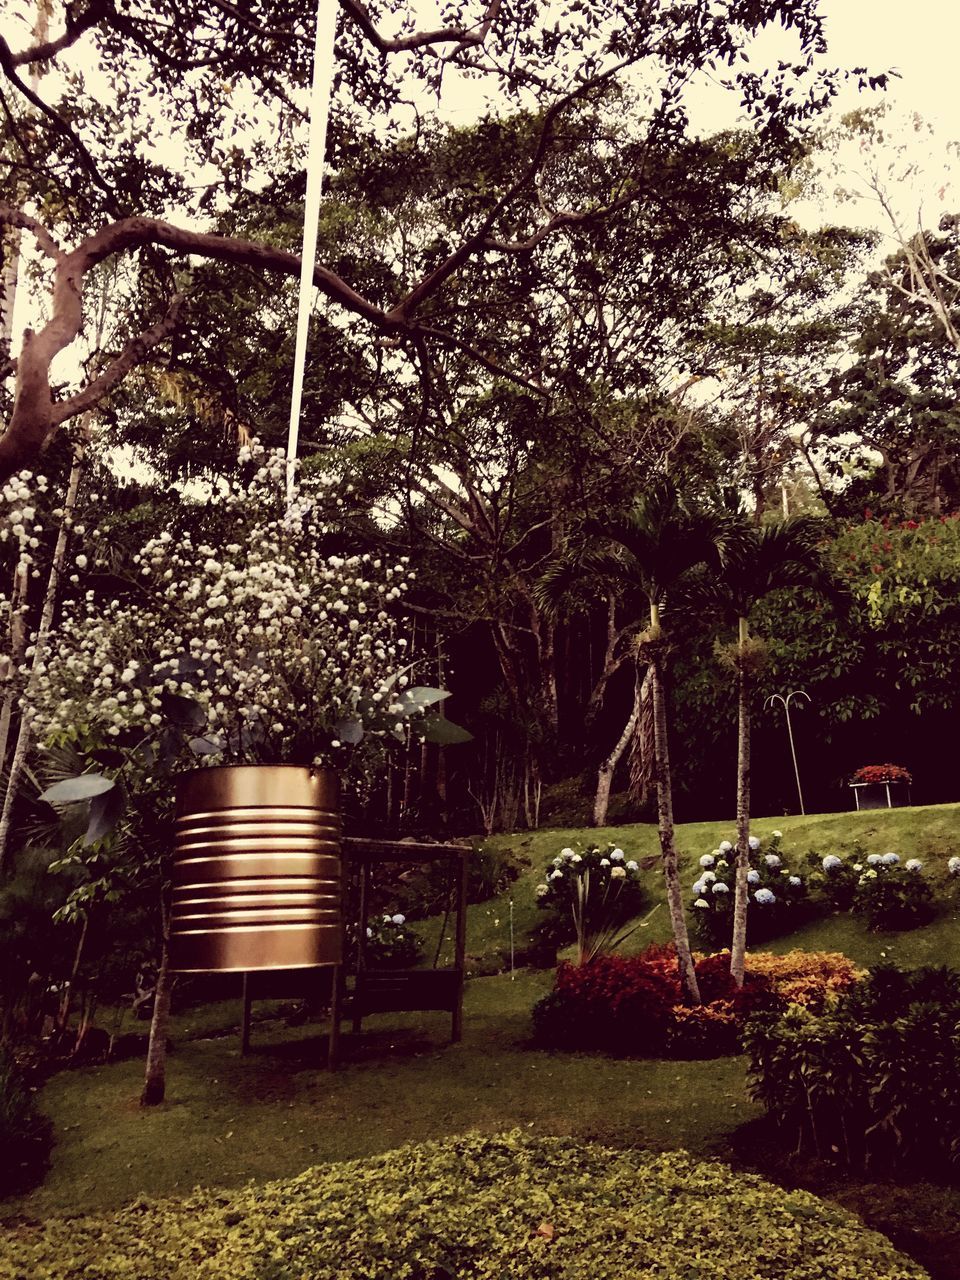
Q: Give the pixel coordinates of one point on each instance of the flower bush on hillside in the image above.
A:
(888, 892)
(600, 889)
(776, 893)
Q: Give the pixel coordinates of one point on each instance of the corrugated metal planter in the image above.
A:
(256, 869)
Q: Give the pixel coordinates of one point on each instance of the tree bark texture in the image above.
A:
(608, 767)
(668, 850)
(738, 943)
(155, 1076)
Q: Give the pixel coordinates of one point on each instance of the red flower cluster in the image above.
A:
(882, 773)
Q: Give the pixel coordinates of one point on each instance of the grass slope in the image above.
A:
(931, 833)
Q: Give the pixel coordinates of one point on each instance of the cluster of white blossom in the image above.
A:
(282, 651)
(20, 530)
(19, 519)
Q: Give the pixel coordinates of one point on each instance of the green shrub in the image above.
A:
(25, 1135)
(474, 1208)
(633, 1005)
(391, 943)
(870, 1081)
(888, 893)
(776, 895)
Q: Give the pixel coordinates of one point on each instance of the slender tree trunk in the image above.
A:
(43, 630)
(738, 944)
(668, 849)
(155, 1076)
(17, 650)
(608, 767)
(63, 1014)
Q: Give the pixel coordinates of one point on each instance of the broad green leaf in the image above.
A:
(105, 811)
(438, 729)
(73, 790)
(182, 711)
(349, 731)
(418, 699)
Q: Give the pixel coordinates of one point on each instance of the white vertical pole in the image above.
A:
(321, 91)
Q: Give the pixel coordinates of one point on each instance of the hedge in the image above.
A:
(474, 1208)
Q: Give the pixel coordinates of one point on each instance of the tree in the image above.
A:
(756, 561)
(655, 546)
(109, 189)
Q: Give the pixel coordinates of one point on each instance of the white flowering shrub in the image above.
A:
(391, 943)
(256, 649)
(777, 894)
(599, 891)
(888, 891)
(21, 529)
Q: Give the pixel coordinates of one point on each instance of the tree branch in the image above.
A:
(17, 218)
(75, 28)
(134, 353)
(9, 69)
(461, 36)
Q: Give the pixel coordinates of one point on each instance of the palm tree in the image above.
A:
(647, 552)
(755, 561)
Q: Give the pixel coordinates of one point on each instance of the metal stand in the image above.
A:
(376, 991)
(391, 991)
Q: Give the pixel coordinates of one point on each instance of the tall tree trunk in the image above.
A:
(608, 767)
(668, 849)
(642, 753)
(155, 1075)
(738, 944)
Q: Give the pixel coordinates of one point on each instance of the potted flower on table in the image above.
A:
(881, 786)
(246, 667)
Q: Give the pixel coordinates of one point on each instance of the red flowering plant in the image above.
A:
(882, 773)
(633, 1005)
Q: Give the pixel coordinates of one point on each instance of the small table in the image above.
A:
(877, 795)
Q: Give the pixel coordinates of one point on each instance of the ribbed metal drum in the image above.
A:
(256, 869)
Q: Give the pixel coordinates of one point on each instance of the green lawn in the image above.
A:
(227, 1119)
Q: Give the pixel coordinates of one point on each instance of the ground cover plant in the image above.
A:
(475, 1207)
